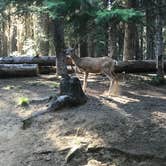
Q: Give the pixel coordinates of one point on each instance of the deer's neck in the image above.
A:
(75, 58)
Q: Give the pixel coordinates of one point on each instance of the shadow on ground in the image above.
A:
(129, 130)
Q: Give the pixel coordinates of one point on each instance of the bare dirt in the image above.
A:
(129, 130)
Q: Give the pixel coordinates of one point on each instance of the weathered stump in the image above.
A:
(71, 94)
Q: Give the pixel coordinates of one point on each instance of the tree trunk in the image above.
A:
(14, 39)
(42, 32)
(130, 46)
(141, 38)
(18, 70)
(52, 50)
(4, 40)
(91, 46)
(159, 43)
(150, 30)
(59, 43)
(112, 48)
(84, 48)
(129, 51)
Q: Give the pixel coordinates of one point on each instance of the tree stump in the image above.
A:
(71, 94)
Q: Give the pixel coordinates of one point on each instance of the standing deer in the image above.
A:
(103, 65)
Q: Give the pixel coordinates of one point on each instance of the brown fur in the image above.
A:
(104, 65)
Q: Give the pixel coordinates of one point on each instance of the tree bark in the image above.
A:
(84, 48)
(150, 30)
(129, 52)
(18, 70)
(159, 42)
(130, 43)
(59, 46)
(14, 39)
(112, 48)
(42, 34)
(40, 60)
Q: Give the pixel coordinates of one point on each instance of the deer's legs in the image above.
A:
(111, 85)
(114, 86)
(116, 83)
(85, 81)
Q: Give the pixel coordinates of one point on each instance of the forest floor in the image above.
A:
(128, 130)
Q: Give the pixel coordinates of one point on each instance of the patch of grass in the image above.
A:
(8, 87)
(157, 81)
(55, 85)
(35, 84)
(23, 101)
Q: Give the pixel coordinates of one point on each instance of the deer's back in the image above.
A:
(93, 65)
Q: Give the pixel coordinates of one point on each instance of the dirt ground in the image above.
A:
(128, 130)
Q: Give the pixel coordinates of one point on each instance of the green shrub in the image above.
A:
(23, 101)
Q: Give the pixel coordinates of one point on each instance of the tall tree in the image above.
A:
(130, 42)
(59, 45)
(112, 49)
(42, 33)
(150, 29)
(159, 41)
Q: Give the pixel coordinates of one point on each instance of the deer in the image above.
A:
(104, 65)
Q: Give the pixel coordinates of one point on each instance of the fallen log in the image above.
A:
(40, 60)
(133, 66)
(45, 64)
(145, 66)
(52, 69)
(18, 70)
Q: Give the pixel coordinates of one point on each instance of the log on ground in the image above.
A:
(18, 70)
(52, 69)
(40, 60)
(132, 66)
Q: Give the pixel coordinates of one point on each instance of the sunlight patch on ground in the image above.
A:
(73, 140)
(23, 113)
(2, 105)
(149, 93)
(159, 118)
(124, 99)
(93, 162)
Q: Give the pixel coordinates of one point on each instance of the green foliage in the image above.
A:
(126, 15)
(55, 85)
(157, 81)
(55, 9)
(8, 87)
(23, 101)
